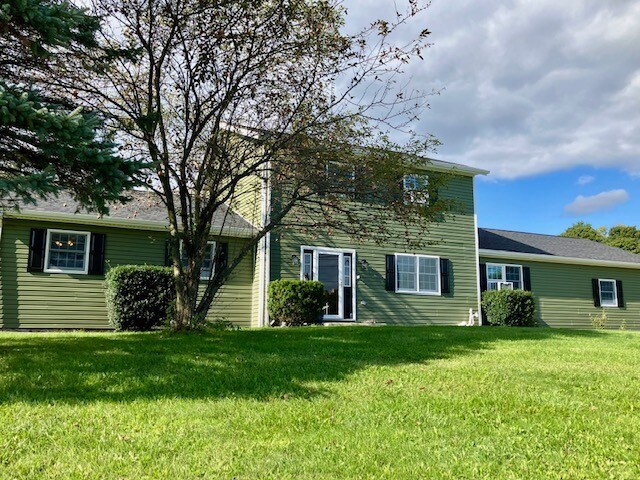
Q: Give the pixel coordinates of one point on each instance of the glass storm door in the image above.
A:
(334, 269)
(329, 275)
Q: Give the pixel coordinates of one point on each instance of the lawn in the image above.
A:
(350, 402)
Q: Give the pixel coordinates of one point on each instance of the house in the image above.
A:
(386, 284)
(53, 257)
(571, 278)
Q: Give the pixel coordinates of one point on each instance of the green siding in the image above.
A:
(453, 239)
(247, 200)
(52, 300)
(564, 297)
(255, 290)
(248, 203)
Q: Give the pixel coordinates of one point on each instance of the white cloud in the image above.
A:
(531, 87)
(585, 179)
(596, 203)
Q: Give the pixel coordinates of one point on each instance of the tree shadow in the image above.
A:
(257, 364)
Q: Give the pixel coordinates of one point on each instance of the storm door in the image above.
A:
(334, 269)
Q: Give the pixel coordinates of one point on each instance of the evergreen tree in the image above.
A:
(47, 141)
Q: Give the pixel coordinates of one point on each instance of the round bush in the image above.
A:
(514, 308)
(139, 296)
(295, 302)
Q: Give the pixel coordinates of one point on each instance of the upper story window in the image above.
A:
(67, 252)
(500, 277)
(414, 188)
(608, 293)
(207, 263)
(419, 274)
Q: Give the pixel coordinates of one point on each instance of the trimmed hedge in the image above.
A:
(514, 308)
(139, 296)
(295, 302)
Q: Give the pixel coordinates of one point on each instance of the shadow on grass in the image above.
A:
(258, 364)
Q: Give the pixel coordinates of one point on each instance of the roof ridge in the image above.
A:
(540, 234)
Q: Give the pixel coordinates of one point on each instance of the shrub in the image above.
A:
(139, 296)
(515, 308)
(295, 302)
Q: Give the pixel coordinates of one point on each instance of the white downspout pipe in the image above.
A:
(264, 250)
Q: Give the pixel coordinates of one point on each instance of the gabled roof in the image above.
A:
(144, 210)
(551, 245)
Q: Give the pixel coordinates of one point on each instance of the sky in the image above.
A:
(543, 93)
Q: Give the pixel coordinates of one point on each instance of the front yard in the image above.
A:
(351, 402)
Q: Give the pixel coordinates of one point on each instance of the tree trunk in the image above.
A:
(187, 278)
(184, 309)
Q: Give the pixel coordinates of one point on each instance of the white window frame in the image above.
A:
(417, 291)
(615, 293)
(504, 266)
(87, 249)
(213, 265)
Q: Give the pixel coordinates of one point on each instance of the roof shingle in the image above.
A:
(535, 243)
(143, 206)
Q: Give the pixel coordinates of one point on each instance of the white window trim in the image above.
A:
(87, 248)
(417, 291)
(504, 266)
(213, 265)
(615, 292)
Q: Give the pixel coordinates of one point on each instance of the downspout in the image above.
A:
(479, 293)
(265, 251)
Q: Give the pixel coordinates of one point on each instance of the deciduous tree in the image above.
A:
(226, 97)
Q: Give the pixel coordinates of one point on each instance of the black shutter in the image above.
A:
(167, 253)
(620, 294)
(595, 287)
(483, 277)
(96, 254)
(526, 280)
(37, 240)
(222, 252)
(445, 275)
(390, 283)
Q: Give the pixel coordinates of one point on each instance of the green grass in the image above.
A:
(351, 402)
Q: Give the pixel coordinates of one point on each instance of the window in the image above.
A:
(608, 293)
(414, 186)
(500, 277)
(67, 252)
(207, 262)
(307, 266)
(418, 274)
(346, 270)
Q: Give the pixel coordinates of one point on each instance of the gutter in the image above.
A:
(442, 166)
(536, 257)
(241, 232)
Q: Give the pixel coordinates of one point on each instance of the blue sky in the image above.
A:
(538, 204)
(541, 93)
